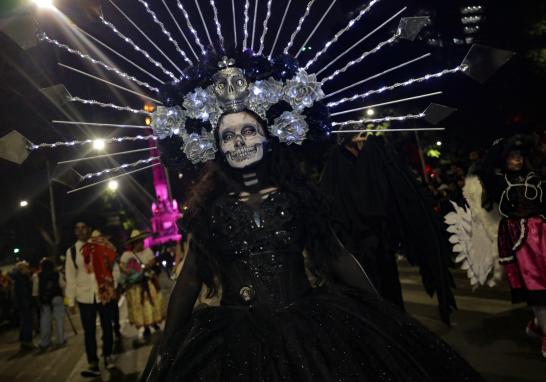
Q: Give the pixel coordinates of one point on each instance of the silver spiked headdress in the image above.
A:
(231, 88)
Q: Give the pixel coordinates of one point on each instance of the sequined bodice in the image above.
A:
(259, 250)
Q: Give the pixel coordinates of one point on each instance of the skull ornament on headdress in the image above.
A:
(230, 86)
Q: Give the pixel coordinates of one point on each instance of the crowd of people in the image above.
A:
(91, 282)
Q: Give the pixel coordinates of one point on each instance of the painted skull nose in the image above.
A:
(239, 141)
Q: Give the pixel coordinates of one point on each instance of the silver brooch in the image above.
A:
(199, 148)
(167, 121)
(263, 94)
(202, 104)
(303, 90)
(290, 127)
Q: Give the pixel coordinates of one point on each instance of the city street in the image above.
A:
(488, 330)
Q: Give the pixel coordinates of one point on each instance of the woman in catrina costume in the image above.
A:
(255, 222)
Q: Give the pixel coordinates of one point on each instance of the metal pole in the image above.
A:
(56, 239)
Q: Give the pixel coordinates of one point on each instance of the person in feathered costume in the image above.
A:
(378, 203)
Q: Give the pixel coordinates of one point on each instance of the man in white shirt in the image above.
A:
(81, 287)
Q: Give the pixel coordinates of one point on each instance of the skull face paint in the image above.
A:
(241, 139)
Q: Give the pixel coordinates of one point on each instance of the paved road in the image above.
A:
(487, 330)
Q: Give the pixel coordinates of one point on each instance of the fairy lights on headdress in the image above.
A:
(285, 94)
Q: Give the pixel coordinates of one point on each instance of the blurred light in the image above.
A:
(164, 263)
(148, 121)
(471, 9)
(149, 107)
(44, 3)
(23, 203)
(98, 144)
(370, 112)
(438, 143)
(16, 250)
(113, 185)
(433, 153)
(471, 19)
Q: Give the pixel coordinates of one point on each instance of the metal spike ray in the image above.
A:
(380, 120)
(146, 36)
(377, 75)
(315, 29)
(179, 28)
(107, 105)
(73, 143)
(280, 29)
(298, 28)
(119, 55)
(138, 48)
(245, 25)
(351, 131)
(217, 23)
(109, 83)
(190, 26)
(204, 23)
(433, 114)
(411, 81)
(44, 37)
(333, 61)
(265, 27)
(234, 23)
(113, 177)
(98, 124)
(119, 168)
(166, 32)
(385, 103)
(106, 155)
(379, 46)
(341, 32)
(256, 2)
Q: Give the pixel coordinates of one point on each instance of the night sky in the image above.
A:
(511, 101)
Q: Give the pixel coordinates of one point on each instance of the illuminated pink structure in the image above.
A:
(165, 210)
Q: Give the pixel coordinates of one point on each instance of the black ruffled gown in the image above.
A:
(273, 326)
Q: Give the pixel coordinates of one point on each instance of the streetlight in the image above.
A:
(16, 250)
(370, 112)
(23, 203)
(44, 3)
(438, 143)
(113, 185)
(98, 144)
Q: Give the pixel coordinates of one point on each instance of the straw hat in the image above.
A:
(137, 235)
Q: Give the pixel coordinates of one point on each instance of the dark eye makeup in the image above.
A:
(248, 130)
(227, 135)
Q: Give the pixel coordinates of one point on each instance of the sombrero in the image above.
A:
(137, 235)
